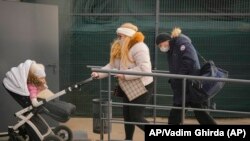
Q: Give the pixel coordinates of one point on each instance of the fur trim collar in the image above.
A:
(138, 37)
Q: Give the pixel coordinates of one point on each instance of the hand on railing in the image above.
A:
(120, 76)
(94, 75)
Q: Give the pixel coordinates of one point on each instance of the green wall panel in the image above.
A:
(219, 29)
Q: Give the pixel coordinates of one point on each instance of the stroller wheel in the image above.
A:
(52, 138)
(16, 138)
(64, 132)
(13, 136)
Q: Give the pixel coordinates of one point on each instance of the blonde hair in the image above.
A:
(176, 32)
(121, 52)
(33, 79)
(115, 52)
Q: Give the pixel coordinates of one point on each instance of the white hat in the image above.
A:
(126, 31)
(38, 70)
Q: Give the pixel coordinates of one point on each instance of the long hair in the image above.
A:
(122, 52)
(115, 52)
(33, 79)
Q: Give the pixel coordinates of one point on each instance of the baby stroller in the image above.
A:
(31, 125)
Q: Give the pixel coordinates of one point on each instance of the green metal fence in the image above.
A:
(219, 29)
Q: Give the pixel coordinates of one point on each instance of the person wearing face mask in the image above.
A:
(130, 53)
(182, 59)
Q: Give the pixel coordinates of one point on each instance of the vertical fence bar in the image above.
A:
(157, 11)
(183, 100)
(101, 115)
(109, 105)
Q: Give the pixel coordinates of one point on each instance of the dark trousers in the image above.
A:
(203, 117)
(135, 113)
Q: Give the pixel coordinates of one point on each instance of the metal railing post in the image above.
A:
(157, 11)
(109, 105)
(101, 115)
(183, 100)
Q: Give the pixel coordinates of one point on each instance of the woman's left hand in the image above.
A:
(120, 76)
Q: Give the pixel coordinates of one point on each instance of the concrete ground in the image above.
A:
(83, 128)
(117, 132)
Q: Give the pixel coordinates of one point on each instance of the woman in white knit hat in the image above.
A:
(130, 53)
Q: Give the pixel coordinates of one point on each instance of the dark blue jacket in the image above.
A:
(182, 59)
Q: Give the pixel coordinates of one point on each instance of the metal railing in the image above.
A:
(155, 106)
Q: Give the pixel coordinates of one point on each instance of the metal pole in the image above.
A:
(109, 105)
(102, 125)
(157, 20)
(157, 11)
(101, 115)
(183, 100)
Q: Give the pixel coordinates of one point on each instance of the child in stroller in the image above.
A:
(27, 85)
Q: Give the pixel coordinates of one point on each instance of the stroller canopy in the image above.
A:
(16, 79)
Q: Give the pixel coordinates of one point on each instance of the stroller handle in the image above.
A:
(77, 85)
(58, 94)
(84, 81)
(69, 89)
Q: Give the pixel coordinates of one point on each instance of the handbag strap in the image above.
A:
(203, 59)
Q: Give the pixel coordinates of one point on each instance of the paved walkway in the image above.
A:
(117, 132)
(83, 128)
